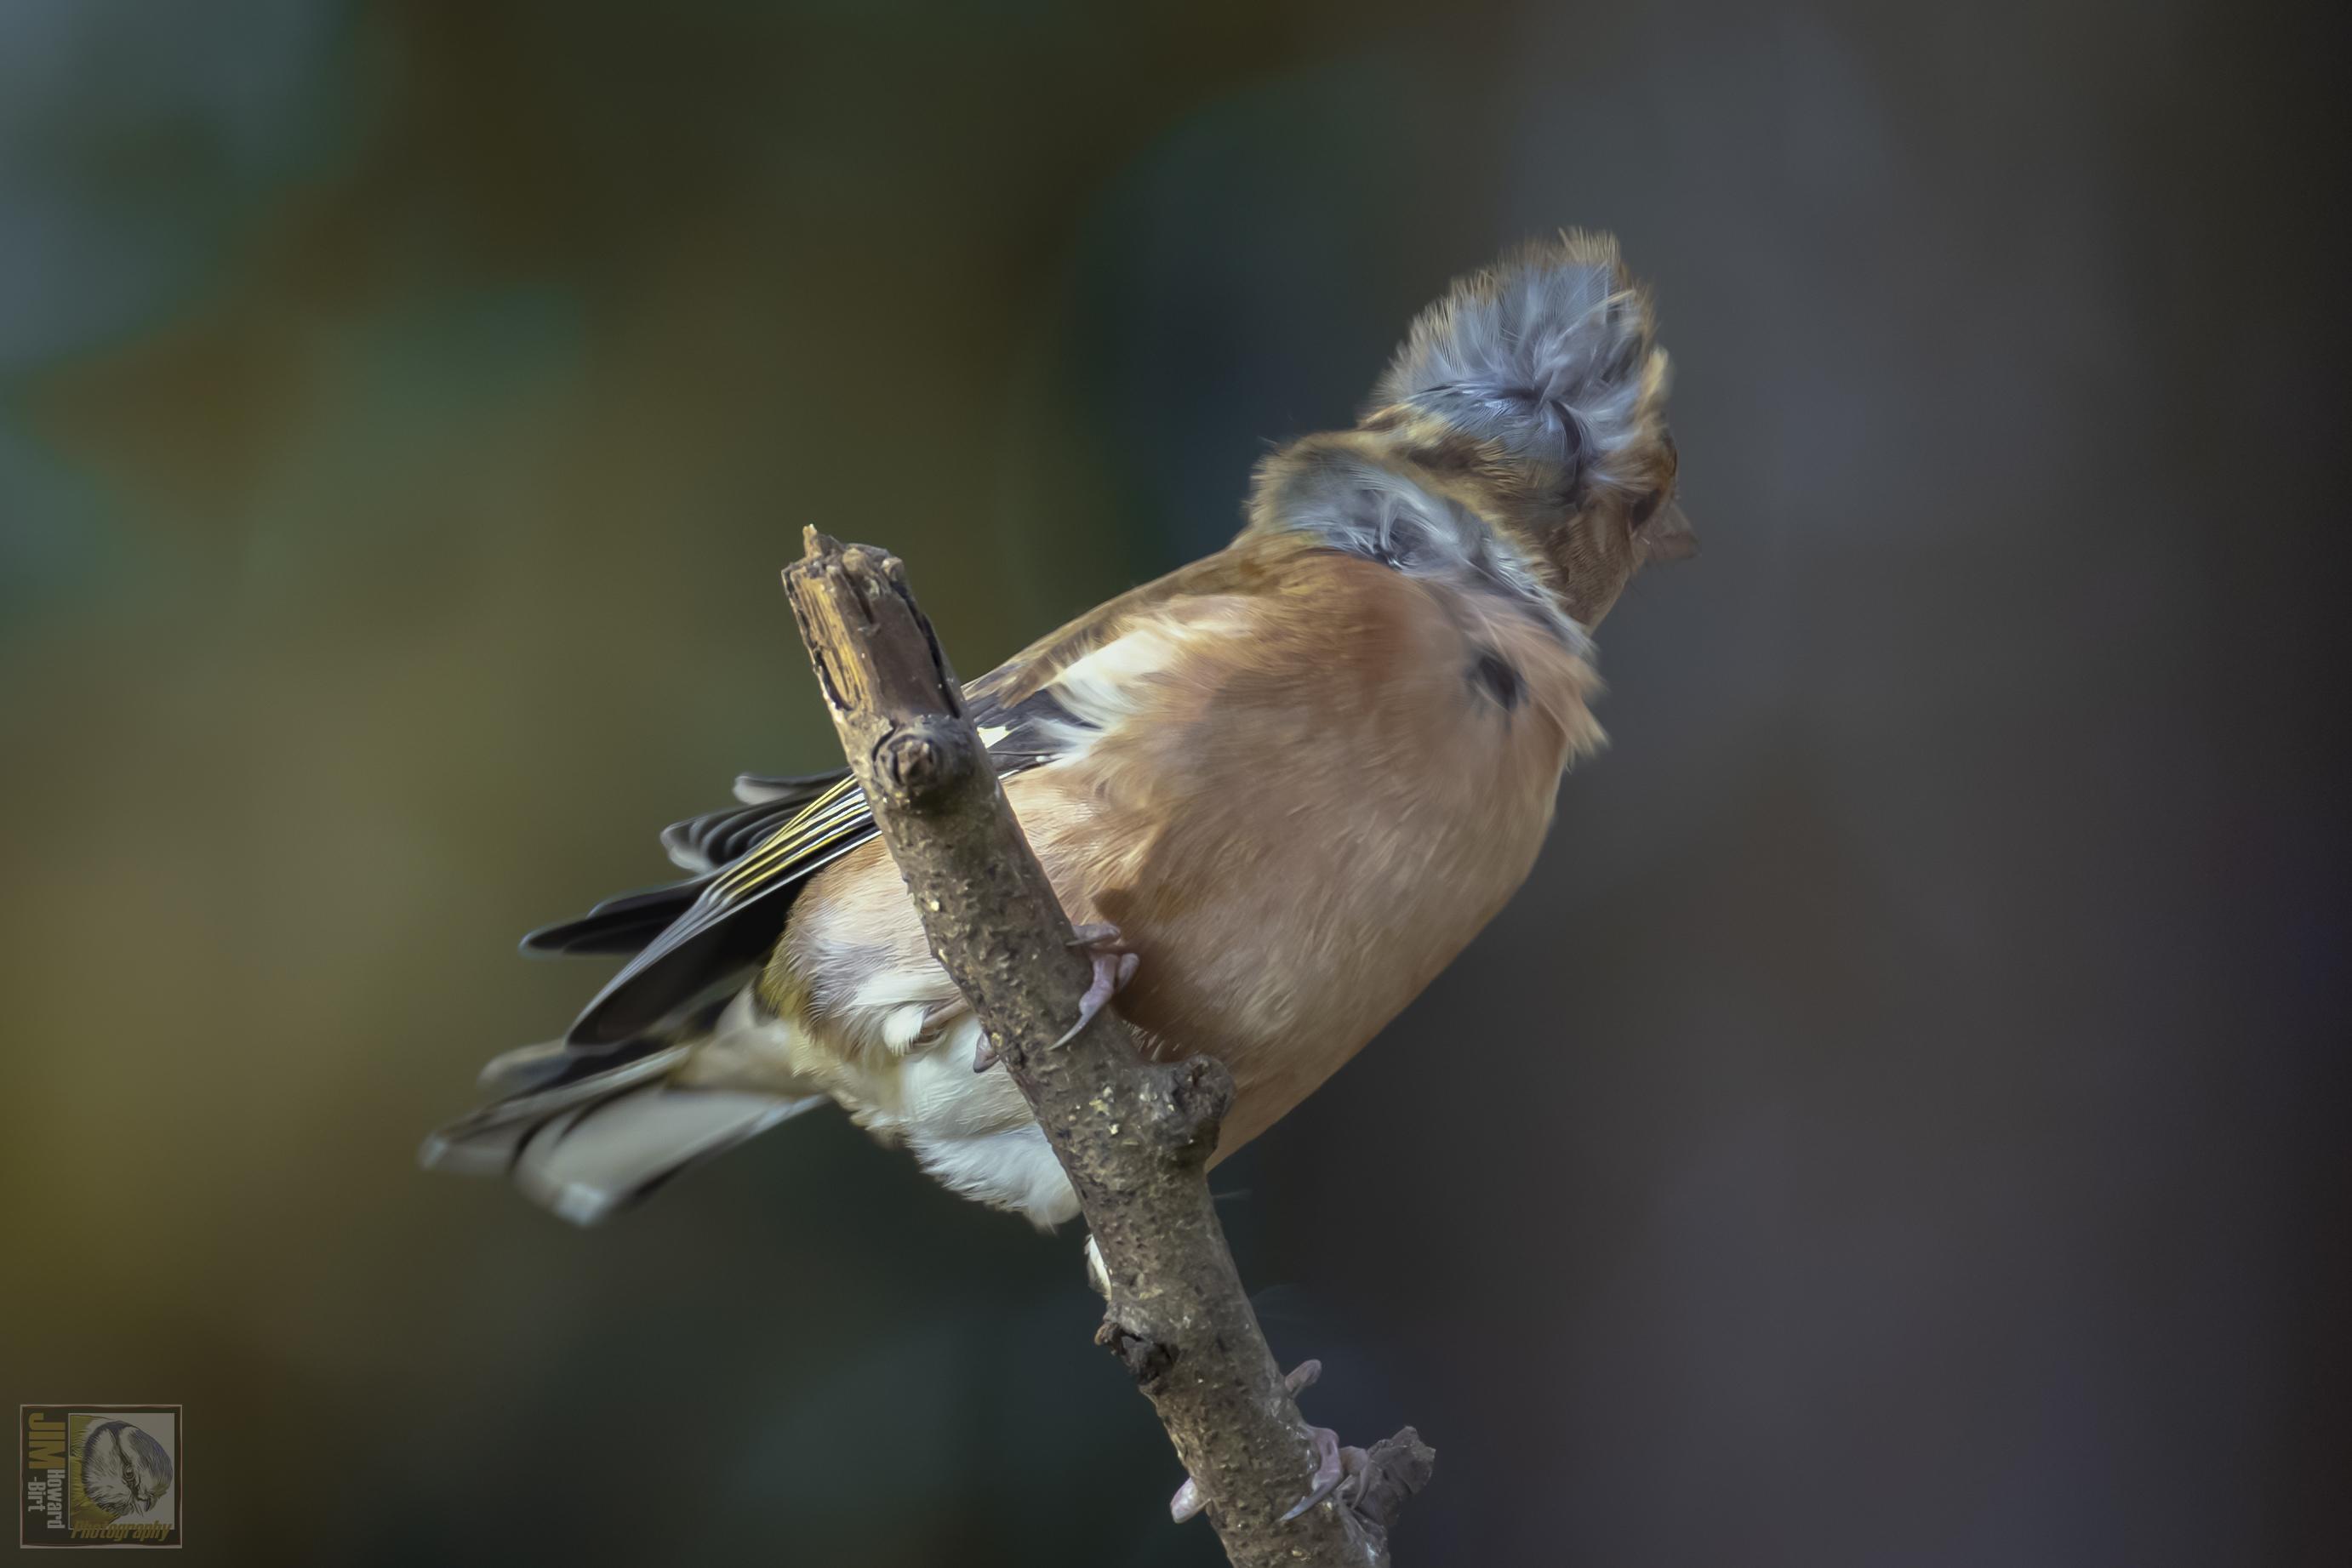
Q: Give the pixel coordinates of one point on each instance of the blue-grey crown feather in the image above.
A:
(1544, 354)
(1360, 507)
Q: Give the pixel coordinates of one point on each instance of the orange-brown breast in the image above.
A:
(1312, 811)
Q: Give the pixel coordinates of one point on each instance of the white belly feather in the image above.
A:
(970, 1131)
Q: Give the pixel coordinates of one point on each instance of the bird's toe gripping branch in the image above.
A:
(1370, 1484)
(1114, 964)
(1189, 1500)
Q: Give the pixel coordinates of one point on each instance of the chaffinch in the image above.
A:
(1279, 788)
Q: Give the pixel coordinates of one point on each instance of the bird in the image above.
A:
(125, 1472)
(1277, 791)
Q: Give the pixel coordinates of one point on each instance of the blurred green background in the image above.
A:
(1896, 1125)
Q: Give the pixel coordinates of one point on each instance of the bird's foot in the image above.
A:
(1334, 1463)
(1114, 964)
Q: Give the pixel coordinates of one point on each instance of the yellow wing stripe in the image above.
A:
(822, 821)
(819, 825)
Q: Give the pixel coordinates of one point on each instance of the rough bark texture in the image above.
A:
(1134, 1136)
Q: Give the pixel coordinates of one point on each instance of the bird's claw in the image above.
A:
(1099, 936)
(1115, 965)
(1333, 1465)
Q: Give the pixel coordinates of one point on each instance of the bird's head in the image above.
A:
(124, 1470)
(1539, 384)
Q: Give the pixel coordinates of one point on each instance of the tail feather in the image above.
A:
(588, 1162)
(588, 1132)
(587, 1149)
(489, 1141)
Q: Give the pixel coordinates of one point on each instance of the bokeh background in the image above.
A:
(1897, 1124)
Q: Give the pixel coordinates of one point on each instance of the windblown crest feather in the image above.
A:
(1549, 353)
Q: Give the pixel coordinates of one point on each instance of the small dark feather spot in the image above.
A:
(1571, 435)
(1492, 673)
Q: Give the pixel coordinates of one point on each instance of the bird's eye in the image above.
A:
(1647, 507)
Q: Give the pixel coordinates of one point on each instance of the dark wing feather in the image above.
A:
(621, 924)
(713, 938)
(704, 845)
(1035, 730)
(712, 841)
(785, 788)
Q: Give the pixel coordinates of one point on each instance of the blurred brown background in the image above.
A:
(1897, 1124)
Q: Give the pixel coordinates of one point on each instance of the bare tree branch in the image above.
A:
(1135, 1135)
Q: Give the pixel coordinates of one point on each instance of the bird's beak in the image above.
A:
(1669, 535)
